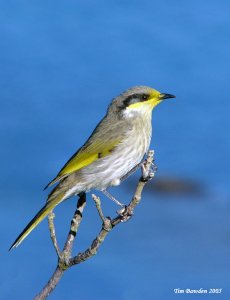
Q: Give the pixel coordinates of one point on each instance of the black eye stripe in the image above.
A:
(135, 98)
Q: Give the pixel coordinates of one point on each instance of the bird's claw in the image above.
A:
(125, 213)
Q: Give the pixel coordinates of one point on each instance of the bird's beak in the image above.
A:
(163, 96)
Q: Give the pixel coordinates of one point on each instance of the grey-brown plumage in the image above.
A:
(115, 147)
(133, 133)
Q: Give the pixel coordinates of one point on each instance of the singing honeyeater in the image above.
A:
(116, 146)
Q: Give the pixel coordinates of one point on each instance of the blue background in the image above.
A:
(61, 62)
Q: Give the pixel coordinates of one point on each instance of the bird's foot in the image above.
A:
(125, 213)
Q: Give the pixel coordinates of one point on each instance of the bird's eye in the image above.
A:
(144, 97)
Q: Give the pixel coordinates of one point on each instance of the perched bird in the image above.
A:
(116, 146)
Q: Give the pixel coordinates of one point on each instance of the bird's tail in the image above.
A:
(46, 209)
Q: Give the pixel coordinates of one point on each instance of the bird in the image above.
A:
(116, 146)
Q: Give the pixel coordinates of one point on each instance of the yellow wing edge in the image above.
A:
(82, 158)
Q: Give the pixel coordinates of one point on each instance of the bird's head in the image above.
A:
(138, 100)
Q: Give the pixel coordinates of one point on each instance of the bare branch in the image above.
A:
(64, 256)
(92, 250)
(51, 217)
(97, 201)
(51, 284)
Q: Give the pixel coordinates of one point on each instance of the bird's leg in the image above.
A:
(131, 171)
(107, 194)
(123, 212)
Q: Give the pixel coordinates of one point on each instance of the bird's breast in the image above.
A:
(126, 155)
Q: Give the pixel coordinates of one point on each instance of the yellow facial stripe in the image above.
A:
(151, 103)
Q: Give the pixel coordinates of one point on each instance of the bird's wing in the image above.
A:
(87, 154)
(104, 139)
